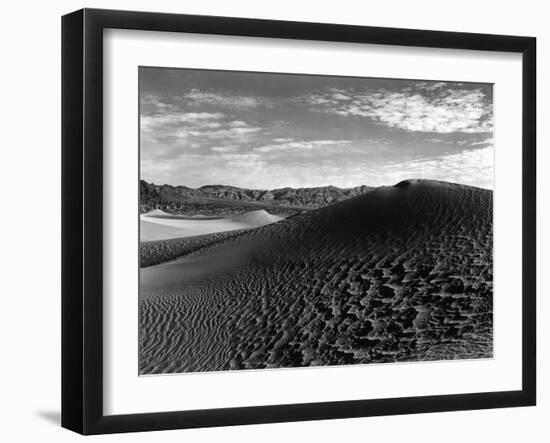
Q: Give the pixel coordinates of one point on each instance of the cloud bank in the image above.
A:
(436, 108)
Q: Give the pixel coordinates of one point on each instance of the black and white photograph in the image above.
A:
(294, 220)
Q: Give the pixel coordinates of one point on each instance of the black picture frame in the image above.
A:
(82, 232)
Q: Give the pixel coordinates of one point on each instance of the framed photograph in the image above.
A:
(268, 221)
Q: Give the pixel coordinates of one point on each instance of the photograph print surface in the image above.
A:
(291, 220)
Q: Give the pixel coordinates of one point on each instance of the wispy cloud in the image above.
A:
(224, 149)
(174, 127)
(291, 145)
(152, 103)
(196, 97)
(487, 141)
(177, 119)
(225, 130)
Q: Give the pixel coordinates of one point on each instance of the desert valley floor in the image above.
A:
(398, 273)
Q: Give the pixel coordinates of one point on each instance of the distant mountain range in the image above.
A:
(216, 199)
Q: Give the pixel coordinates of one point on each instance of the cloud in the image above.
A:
(296, 146)
(487, 141)
(154, 103)
(197, 97)
(440, 141)
(471, 167)
(338, 94)
(391, 131)
(224, 149)
(158, 121)
(269, 170)
(173, 127)
(435, 108)
(431, 86)
(225, 132)
(287, 145)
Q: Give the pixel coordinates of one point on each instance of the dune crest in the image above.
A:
(156, 213)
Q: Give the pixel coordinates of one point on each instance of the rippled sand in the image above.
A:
(402, 273)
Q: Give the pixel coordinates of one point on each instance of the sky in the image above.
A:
(267, 131)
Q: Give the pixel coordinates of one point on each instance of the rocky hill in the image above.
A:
(230, 199)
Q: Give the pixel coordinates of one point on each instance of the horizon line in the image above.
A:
(312, 187)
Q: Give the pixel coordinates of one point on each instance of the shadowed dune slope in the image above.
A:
(257, 218)
(160, 251)
(150, 231)
(401, 273)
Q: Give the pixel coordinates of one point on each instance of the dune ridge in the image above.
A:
(401, 273)
(156, 213)
(162, 251)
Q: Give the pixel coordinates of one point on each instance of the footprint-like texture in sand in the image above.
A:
(401, 273)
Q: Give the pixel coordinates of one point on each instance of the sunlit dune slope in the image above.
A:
(159, 225)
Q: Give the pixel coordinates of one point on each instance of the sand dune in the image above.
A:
(161, 251)
(401, 273)
(159, 225)
(150, 231)
(256, 218)
(156, 213)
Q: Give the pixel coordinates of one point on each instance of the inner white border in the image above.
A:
(125, 392)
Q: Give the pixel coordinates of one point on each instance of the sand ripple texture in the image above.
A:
(401, 273)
